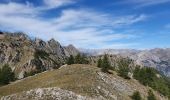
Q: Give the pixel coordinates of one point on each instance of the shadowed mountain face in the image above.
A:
(26, 55)
(156, 58)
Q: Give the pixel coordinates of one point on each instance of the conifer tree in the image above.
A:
(99, 63)
(151, 96)
(6, 75)
(105, 64)
(70, 60)
(78, 59)
(124, 68)
(136, 96)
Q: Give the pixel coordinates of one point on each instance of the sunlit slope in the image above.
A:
(85, 80)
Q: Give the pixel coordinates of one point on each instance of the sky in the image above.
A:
(91, 24)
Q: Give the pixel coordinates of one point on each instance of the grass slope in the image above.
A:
(85, 80)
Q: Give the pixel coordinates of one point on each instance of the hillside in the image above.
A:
(26, 55)
(72, 81)
(157, 58)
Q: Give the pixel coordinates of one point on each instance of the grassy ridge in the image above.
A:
(67, 78)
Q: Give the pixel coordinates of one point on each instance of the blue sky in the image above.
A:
(120, 24)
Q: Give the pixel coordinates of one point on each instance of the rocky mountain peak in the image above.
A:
(26, 55)
(72, 50)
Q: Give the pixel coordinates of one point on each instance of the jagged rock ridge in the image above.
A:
(25, 55)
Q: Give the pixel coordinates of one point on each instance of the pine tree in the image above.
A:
(78, 59)
(84, 59)
(105, 64)
(151, 96)
(124, 68)
(81, 59)
(99, 63)
(70, 60)
(136, 96)
(6, 75)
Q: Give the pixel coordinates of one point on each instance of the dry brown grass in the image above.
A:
(81, 79)
(71, 77)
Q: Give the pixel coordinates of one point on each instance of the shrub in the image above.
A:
(31, 73)
(41, 54)
(124, 69)
(99, 63)
(148, 77)
(151, 96)
(70, 60)
(136, 96)
(105, 65)
(6, 75)
(81, 59)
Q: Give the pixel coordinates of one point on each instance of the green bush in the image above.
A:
(6, 75)
(104, 63)
(124, 69)
(148, 77)
(136, 96)
(31, 73)
(70, 60)
(151, 96)
(81, 59)
(78, 59)
(99, 63)
(145, 75)
(41, 54)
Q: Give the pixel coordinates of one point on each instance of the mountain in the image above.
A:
(74, 82)
(72, 50)
(25, 55)
(156, 58)
(41, 71)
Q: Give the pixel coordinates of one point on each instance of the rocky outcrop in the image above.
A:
(72, 50)
(46, 94)
(31, 55)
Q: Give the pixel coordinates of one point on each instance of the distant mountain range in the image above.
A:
(42, 73)
(157, 58)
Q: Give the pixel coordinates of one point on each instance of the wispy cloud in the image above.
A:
(58, 3)
(83, 27)
(144, 3)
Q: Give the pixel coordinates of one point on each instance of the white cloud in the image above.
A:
(83, 28)
(144, 3)
(57, 3)
(16, 8)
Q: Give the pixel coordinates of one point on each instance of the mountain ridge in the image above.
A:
(25, 55)
(84, 80)
(157, 58)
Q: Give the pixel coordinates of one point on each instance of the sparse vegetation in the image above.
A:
(151, 96)
(136, 96)
(41, 54)
(78, 59)
(124, 69)
(99, 63)
(70, 60)
(31, 73)
(104, 64)
(6, 75)
(148, 77)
